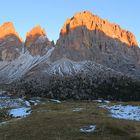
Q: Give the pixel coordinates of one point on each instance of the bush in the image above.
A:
(81, 87)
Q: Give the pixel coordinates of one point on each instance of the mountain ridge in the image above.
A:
(84, 37)
(37, 41)
(94, 22)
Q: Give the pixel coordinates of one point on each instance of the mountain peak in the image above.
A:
(8, 24)
(36, 31)
(34, 34)
(85, 14)
(7, 29)
(37, 41)
(93, 23)
(10, 42)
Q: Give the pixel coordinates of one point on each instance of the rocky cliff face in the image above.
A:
(87, 37)
(84, 38)
(93, 22)
(91, 59)
(10, 42)
(37, 41)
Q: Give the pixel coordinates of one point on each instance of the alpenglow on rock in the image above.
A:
(93, 22)
(86, 42)
(88, 37)
(10, 42)
(92, 59)
(37, 41)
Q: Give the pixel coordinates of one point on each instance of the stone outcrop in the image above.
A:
(88, 37)
(37, 41)
(10, 42)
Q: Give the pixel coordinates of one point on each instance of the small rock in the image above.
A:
(55, 101)
(102, 101)
(88, 129)
(27, 103)
(77, 109)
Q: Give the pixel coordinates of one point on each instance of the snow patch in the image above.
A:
(88, 129)
(65, 66)
(55, 101)
(127, 112)
(7, 102)
(20, 112)
(9, 71)
(102, 101)
(27, 103)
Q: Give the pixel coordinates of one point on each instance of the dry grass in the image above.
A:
(4, 114)
(52, 121)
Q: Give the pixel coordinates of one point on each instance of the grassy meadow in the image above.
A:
(52, 121)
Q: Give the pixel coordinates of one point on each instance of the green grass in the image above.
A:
(52, 121)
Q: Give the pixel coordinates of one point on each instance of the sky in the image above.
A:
(51, 14)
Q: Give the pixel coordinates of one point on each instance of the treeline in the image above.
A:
(81, 87)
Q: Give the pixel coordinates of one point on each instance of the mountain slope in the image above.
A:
(87, 37)
(10, 71)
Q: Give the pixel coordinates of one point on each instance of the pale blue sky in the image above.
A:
(51, 14)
